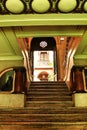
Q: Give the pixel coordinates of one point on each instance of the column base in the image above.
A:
(12, 100)
(80, 99)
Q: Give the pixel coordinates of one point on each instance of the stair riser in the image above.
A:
(48, 87)
(48, 93)
(50, 90)
(43, 118)
(48, 110)
(48, 105)
(48, 99)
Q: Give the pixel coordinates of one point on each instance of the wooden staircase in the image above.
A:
(49, 106)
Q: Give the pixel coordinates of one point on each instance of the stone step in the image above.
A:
(48, 82)
(49, 98)
(32, 94)
(46, 96)
(43, 117)
(47, 110)
(49, 103)
(50, 90)
(48, 85)
(44, 126)
(55, 110)
(47, 93)
(37, 95)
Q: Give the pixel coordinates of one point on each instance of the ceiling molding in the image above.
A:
(82, 45)
(41, 20)
(80, 60)
(40, 31)
(40, 6)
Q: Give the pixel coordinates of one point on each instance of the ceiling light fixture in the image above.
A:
(43, 44)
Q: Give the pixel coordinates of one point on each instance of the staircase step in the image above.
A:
(44, 126)
(48, 93)
(45, 90)
(40, 98)
(43, 117)
(41, 95)
(49, 103)
(45, 110)
(48, 89)
(48, 84)
(55, 110)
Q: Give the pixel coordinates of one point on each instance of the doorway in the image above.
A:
(43, 53)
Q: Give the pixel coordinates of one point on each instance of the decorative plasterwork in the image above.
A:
(42, 20)
(42, 6)
(67, 6)
(14, 6)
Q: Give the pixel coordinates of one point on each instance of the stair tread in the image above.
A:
(47, 96)
(49, 126)
(50, 93)
(48, 99)
(50, 102)
(48, 89)
(42, 115)
(44, 123)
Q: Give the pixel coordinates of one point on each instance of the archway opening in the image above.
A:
(43, 52)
